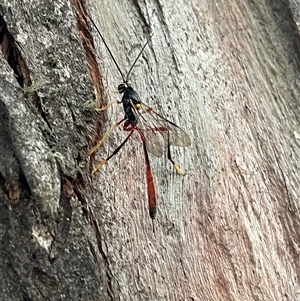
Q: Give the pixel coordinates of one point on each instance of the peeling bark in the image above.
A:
(227, 72)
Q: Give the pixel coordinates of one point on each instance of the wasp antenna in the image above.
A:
(123, 77)
(128, 73)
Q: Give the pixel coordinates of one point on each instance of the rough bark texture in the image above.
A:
(227, 72)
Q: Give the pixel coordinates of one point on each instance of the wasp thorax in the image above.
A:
(122, 88)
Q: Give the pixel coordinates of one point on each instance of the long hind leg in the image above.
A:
(99, 165)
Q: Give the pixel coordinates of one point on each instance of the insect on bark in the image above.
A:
(155, 131)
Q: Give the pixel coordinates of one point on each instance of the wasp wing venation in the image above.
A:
(153, 140)
(165, 127)
(177, 136)
(155, 145)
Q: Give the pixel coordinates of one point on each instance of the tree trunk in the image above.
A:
(227, 72)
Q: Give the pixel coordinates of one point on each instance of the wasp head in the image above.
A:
(123, 87)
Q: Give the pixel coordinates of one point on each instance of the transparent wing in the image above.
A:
(177, 136)
(154, 142)
(158, 131)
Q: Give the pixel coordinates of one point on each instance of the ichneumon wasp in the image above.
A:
(156, 132)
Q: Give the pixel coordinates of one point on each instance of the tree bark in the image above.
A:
(227, 72)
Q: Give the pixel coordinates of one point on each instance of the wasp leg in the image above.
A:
(177, 168)
(95, 147)
(108, 105)
(99, 165)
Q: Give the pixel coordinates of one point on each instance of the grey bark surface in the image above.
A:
(227, 72)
